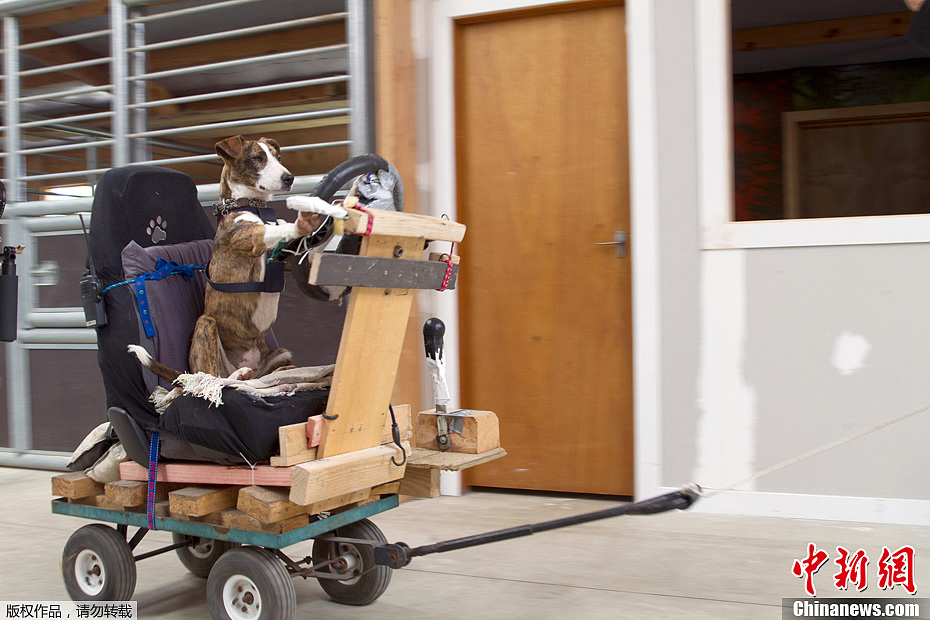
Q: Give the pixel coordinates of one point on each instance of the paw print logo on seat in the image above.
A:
(156, 229)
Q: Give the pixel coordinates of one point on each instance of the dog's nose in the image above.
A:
(287, 178)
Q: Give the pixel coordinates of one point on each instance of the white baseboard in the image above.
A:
(818, 507)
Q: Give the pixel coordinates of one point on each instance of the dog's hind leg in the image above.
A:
(273, 360)
(206, 353)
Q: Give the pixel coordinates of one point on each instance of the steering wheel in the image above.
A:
(339, 177)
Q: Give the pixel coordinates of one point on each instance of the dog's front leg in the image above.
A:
(205, 354)
(275, 234)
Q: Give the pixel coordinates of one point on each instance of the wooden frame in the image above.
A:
(794, 123)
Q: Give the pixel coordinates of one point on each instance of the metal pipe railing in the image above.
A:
(240, 32)
(182, 12)
(278, 118)
(65, 67)
(236, 92)
(229, 64)
(62, 40)
(84, 90)
(68, 119)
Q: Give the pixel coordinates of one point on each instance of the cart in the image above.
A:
(238, 519)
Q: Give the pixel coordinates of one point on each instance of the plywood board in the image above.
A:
(450, 461)
(369, 352)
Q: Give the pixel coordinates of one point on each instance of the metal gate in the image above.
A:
(92, 85)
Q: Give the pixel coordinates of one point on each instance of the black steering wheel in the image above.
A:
(336, 179)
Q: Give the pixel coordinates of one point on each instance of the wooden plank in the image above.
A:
(420, 482)
(404, 425)
(339, 501)
(314, 430)
(199, 501)
(98, 501)
(881, 26)
(450, 461)
(75, 485)
(349, 270)
(196, 473)
(369, 352)
(131, 492)
(268, 504)
(480, 432)
(293, 449)
(235, 518)
(401, 224)
(389, 488)
(338, 475)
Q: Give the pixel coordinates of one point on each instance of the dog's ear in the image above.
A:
(230, 148)
(275, 147)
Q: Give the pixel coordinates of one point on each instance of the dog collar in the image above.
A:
(222, 208)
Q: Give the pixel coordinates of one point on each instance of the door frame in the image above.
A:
(434, 44)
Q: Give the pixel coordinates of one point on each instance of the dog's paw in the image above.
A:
(307, 223)
(243, 374)
(315, 204)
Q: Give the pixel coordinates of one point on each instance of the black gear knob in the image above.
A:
(433, 331)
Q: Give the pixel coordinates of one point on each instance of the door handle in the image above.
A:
(621, 237)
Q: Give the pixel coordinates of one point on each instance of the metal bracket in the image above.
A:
(621, 237)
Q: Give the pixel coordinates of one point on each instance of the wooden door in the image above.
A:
(543, 175)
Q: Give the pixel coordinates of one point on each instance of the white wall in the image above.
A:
(759, 342)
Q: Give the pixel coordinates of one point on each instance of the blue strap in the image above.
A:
(153, 479)
(163, 269)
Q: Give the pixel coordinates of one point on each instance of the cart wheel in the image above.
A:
(250, 583)
(364, 580)
(97, 565)
(201, 554)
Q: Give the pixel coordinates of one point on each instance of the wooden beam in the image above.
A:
(268, 504)
(68, 14)
(263, 475)
(292, 444)
(480, 432)
(75, 485)
(420, 482)
(392, 223)
(339, 475)
(881, 26)
(199, 501)
(450, 461)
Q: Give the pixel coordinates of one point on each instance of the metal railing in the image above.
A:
(104, 115)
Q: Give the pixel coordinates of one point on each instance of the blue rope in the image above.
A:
(153, 480)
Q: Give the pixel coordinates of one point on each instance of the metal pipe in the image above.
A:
(64, 147)
(359, 34)
(183, 12)
(118, 75)
(65, 67)
(58, 336)
(77, 174)
(239, 62)
(34, 459)
(139, 116)
(231, 34)
(58, 223)
(251, 90)
(302, 184)
(36, 208)
(66, 319)
(11, 116)
(68, 119)
(279, 118)
(66, 93)
(61, 40)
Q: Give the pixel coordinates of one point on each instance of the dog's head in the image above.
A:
(252, 168)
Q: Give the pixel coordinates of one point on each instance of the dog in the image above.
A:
(229, 337)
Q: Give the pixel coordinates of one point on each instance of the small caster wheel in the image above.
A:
(364, 581)
(201, 554)
(97, 565)
(250, 583)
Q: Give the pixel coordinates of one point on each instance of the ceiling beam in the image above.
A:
(881, 26)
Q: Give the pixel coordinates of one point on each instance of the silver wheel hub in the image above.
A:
(241, 598)
(89, 572)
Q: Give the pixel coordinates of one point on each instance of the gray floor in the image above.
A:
(675, 565)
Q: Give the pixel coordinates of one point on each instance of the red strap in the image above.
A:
(371, 219)
(445, 280)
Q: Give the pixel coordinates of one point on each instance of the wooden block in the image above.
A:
(444, 257)
(389, 488)
(480, 433)
(369, 352)
(268, 504)
(400, 224)
(75, 485)
(98, 501)
(327, 505)
(198, 473)
(328, 269)
(199, 501)
(421, 482)
(314, 430)
(235, 518)
(163, 509)
(131, 492)
(404, 425)
(338, 475)
(293, 449)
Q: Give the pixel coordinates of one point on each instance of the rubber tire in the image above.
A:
(112, 552)
(369, 586)
(200, 566)
(265, 570)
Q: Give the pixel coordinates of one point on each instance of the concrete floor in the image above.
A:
(674, 565)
